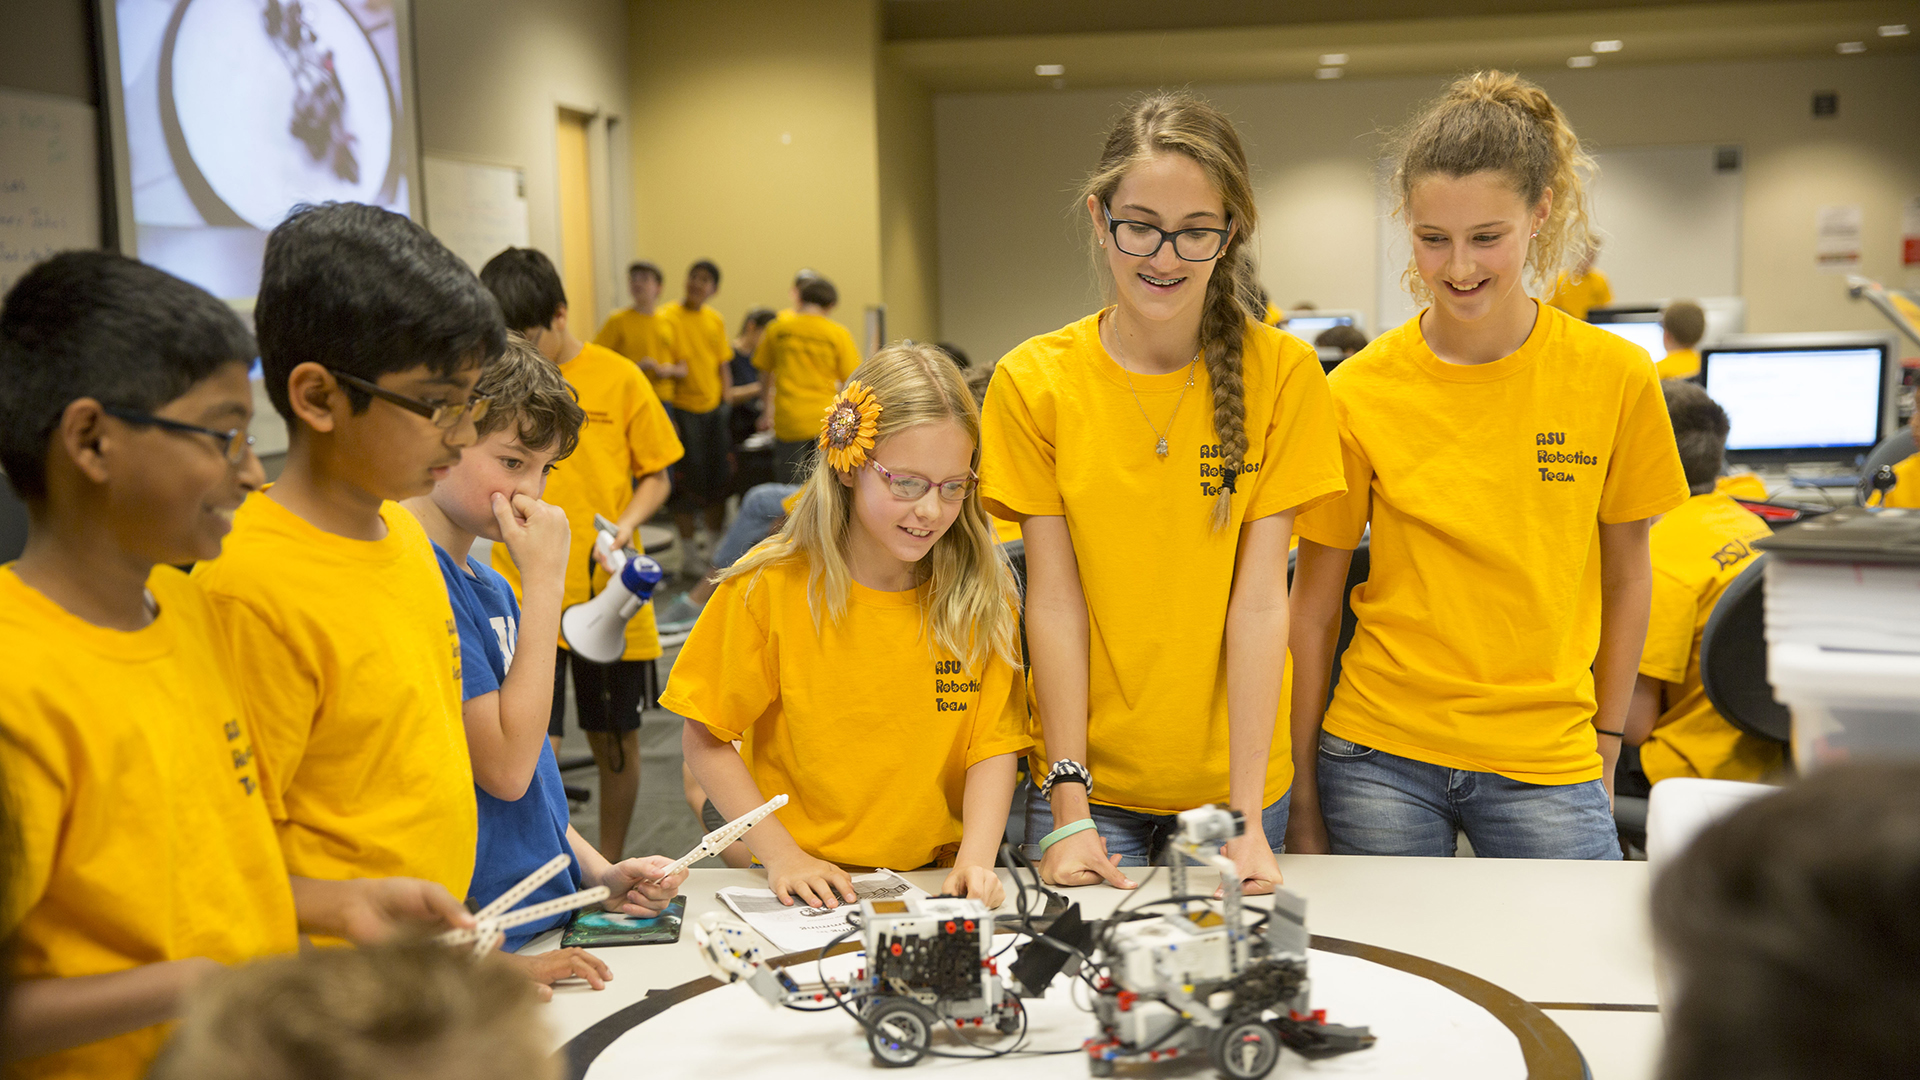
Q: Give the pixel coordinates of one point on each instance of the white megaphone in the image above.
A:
(597, 630)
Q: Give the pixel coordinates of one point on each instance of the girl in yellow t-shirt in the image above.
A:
(1155, 453)
(1508, 459)
(867, 655)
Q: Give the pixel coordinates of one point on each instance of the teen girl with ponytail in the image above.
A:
(1508, 458)
(1156, 452)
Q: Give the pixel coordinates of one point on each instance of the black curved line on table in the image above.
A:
(1548, 1051)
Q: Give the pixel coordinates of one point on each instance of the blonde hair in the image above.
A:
(1493, 121)
(1170, 123)
(416, 1010)
(970, 601)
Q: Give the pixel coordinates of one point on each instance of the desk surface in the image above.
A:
(1553, 933)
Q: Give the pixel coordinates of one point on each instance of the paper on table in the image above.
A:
(798, 928)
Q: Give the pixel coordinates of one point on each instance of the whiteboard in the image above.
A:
(49, 180)
(476, 210)
(1669, 222)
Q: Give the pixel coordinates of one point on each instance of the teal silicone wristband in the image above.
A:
(1063, 832)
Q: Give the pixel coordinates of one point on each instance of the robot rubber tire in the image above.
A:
(1099, 1067)
(1245, 1050)
(898, 1032)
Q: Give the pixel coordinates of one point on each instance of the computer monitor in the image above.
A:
(1803, 397)
(1307, 325)
(1647, 335)
(1726, 315)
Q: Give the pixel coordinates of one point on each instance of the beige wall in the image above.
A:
(46, 47)
(909, 213)
(1008, 162)
(492, 76)
(755, 145)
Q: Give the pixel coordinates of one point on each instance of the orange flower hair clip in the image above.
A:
(852, 420)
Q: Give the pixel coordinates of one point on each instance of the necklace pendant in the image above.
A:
(1161, 447)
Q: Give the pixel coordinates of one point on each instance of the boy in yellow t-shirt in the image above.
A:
(701, 481)
(806, 356)
(1698, 549)
(642, 336)
(618, 471)
(125, 755)
(1682, 326)
(372, 335)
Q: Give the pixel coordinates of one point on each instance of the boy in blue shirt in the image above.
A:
(532, 423)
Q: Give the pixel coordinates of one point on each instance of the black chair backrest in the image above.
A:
(1016, 553)
(1357, 570)
(13, 524)
(1892, 450)
(1733, 658)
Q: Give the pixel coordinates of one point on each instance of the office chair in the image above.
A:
(1892, 450)
(1733, 658)
(1358, 569)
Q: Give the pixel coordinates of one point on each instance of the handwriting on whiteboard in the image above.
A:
(49, 180)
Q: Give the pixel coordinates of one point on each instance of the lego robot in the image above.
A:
(1196, 978)
(929, 961)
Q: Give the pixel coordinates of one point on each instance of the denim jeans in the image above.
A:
(1139, 839)
(760, 510)
(1376, 803)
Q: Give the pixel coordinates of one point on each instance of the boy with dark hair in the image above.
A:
(372, 335)
(1791, 936)
(1697, 550)
(532, 423)
(1682, 326)
(805, 357)
(700, 480)
(618, 471)
(124, 406)
(642, 336)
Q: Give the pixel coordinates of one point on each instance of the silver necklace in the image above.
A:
(1160, 444)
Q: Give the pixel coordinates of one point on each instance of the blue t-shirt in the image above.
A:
(519, 837)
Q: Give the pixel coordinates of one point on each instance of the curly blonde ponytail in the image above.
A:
(1183, 124)
(1493, 121)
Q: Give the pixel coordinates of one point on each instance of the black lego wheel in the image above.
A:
(1099, 1067)
(1245, 1050)
(1008, 1021)
(898, 1032)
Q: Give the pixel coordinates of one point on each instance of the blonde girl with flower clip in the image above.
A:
(866, 656)
(1156, 452)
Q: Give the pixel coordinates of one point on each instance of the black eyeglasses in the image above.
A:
(233, 444)
(1144, 241)
(440, 416)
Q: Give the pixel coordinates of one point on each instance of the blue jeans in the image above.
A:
(1139, 839)
(1376, 803)
(759, 511)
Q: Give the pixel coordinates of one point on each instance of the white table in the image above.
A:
(1564, 935)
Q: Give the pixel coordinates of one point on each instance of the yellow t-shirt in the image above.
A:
(1004, 531)
(701, 337)
(866, 726)
(809, 356)
(1273, 316)
(638, 336)
(1679, 364)
(1745, 486)
(131, 780)
(1062, 435)
(627, 435)
(1485, 486)
(1905, 492)
(1697, 552)
(1576, 298)
(347, 664)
